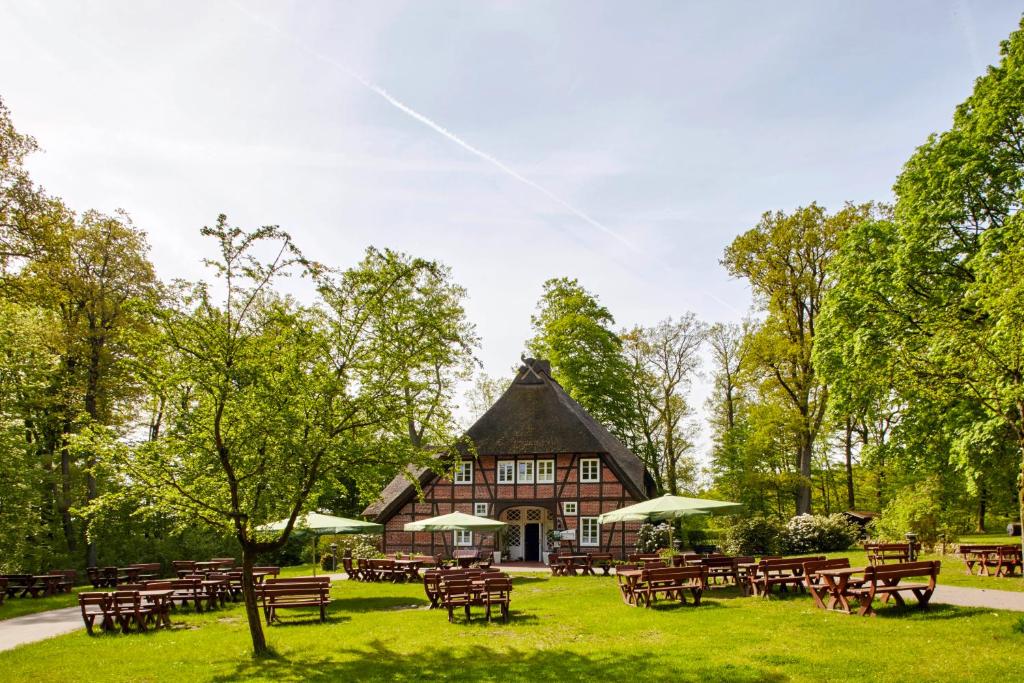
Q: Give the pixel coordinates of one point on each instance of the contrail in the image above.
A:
(438, 128)
(475, 151)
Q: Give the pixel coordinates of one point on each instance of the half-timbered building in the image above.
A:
(542, 464)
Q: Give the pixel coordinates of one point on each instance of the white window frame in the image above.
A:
(585, 540)
(529, 464)
(462, 538)
(481, 513)
(508, 466)
(570, 508)
(550, 478)
(464, 473)
(584, 466)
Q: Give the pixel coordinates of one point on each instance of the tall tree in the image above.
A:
(664, 359)
(576, 333)
(269, 403)
(939, 288)
(786, 259)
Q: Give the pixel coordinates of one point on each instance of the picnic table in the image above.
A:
(162, 603)
(644, 585)
(411, 568)
(1004, 559)
(568, 564)
(877, 580)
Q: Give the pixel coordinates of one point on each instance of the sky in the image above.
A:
(624, 144)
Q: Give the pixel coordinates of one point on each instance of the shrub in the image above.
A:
(918, 509)
(360, 545)
(819, 533)
(652, 538)
(754, 536)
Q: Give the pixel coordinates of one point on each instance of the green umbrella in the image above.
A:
(667, 507)
(325, 525)
(455, 521)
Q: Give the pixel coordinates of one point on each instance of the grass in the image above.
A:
(562, 628)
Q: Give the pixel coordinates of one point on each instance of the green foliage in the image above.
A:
(754, 535)
(575, 333)
(357, 545)
(787, 260)
(819, 533)
(919, 509)
(651, 538)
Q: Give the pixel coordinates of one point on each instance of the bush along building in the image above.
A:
(542, 464)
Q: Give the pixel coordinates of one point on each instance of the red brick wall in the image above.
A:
(442, 496)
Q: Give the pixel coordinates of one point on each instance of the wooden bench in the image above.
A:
(976, 554)
(814, 583)
(306, 591)
(1009, 558)
(600, 560)
(884, 580)
(95, 605)
(671, 582)
(147, 571)
(497, 590)
(783, 572)
(883, 553)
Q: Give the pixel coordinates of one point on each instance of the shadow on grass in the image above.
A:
(479, 619)
(377, 661)
(375, 604)
(934, 612)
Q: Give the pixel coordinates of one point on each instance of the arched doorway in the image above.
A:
(526, 533)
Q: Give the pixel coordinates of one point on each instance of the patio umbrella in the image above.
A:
(455, 521)
(667, 507)
(320, 524)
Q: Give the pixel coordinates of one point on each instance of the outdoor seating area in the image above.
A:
(832, 583)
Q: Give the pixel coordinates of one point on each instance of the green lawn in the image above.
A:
(563, 628)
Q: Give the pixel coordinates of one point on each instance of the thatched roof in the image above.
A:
(533, 417)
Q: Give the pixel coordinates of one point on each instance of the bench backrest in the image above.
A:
(674, 574)
(785, 563)
(600, 557)
(812, 566)
(499, 585)
(320, 590)
(1009, 551)
(903, 570)
(324, 580)
(977, 548)
(456, 587)
(94, 599)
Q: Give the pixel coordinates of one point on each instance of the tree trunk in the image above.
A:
(848, 445)
(982, 496)
(803, 495)
(252, 610)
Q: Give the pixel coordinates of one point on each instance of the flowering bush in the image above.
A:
(819, 533)
(753, 536)
(652, 538)
(361, 545)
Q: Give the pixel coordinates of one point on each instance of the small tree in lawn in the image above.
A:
(263, 402)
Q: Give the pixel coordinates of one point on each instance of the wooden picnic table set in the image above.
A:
(832, 583)
(465, 588)
(992, 559)
(582, 564)
(36, 585)
(395, 569)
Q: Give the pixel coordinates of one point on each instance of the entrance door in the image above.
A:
(531, 543)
